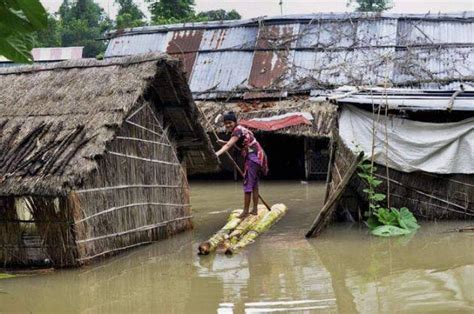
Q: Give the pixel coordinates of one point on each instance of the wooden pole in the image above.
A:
(325, 214)
(332, 151)
(306, 158)
(236, 177)
(230, 157)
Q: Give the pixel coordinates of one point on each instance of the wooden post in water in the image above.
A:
(306, 159)
(331, 204)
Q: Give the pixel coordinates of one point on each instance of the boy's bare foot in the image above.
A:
(244, 214)
(254, 212)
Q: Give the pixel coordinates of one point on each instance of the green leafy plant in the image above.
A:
(370, 5)
(382, 221)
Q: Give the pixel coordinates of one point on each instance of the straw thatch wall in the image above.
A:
(138, 194)
(323, 114)
(36, 230)
(94, 156)
(428, 196)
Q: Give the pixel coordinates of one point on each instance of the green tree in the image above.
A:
(51, 35)
(371, 5)
(83, 24)
(171, 11)
(128, 15)
(182, 11)
(219, 15)
(19, 19)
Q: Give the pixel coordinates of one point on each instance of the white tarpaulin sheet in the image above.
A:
(412, 145)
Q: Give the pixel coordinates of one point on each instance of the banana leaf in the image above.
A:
(389, 231)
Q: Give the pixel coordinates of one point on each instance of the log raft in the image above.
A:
(238, 233)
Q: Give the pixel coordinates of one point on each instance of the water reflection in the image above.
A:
(429, 271)
(344, 271)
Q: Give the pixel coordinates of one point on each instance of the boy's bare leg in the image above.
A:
(255, 201)
(247, 196)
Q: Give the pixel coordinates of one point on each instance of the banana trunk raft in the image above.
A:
(237, 233)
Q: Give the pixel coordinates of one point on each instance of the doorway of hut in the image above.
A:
(289, 158)
(295, 157)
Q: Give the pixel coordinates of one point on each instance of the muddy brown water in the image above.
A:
(344, 271)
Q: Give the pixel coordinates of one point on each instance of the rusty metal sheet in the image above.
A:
(185, 45)
(184, 41)
(290, 53)
(229, 38)
(270, 68)
(278, 36)
(271, 62)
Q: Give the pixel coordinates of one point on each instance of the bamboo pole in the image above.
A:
(230, 157)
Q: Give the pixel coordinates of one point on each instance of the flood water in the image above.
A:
(345, 270)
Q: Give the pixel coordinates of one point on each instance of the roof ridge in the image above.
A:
(463, 15)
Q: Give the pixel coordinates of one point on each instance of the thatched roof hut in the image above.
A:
(94, 155)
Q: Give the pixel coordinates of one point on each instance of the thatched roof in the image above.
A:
(67, 112)
(321, 126)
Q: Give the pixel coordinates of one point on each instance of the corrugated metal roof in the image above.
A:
(184, 45)
(433, 64)
(301, 18)
(297, 53)
(341, 67)
(229, 38)
(221, 71)
(327, 34)
(271, 63)
(404, 99)
(428, 32)
(184, 41)
(53, 54)
(141, 43)
(377, 33)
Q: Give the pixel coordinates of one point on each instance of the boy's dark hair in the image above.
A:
(230, 116)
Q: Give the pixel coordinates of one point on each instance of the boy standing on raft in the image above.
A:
(255, 160)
